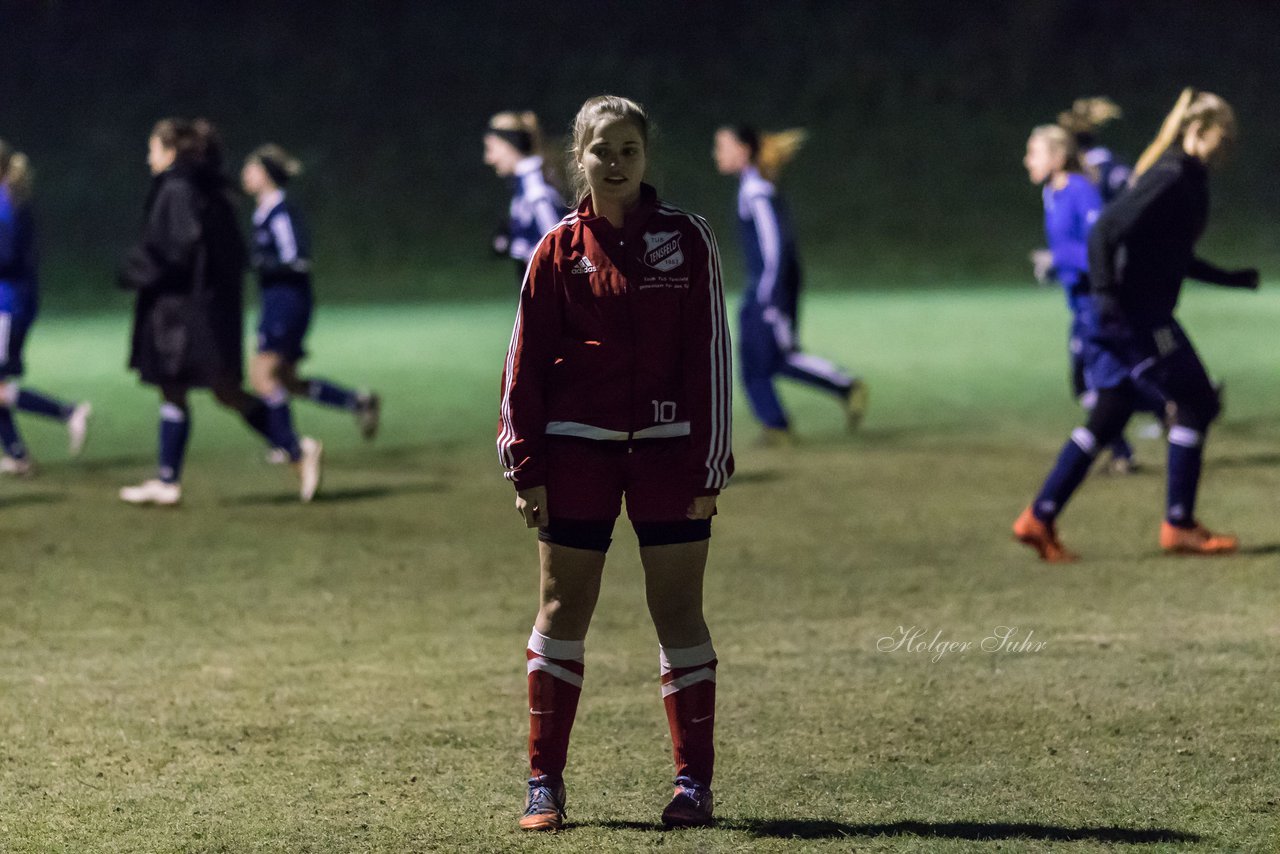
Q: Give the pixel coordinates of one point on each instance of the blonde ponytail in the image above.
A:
(777, 150)
(1174, 124)
(1088, 114)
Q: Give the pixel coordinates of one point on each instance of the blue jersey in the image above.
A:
(1069, 214)
(281, 253)
(1113, 176)
(536, 207)
(17, 255)
(768, 244)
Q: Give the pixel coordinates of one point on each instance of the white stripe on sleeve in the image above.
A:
(286, 243)
(769, 236)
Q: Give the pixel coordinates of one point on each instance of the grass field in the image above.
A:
(247, 674)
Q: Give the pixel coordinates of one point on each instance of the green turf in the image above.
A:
(247, 674)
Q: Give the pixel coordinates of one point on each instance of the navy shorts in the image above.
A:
(1162, 358)
(286, 314)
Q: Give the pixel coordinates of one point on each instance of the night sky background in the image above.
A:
(918, 113)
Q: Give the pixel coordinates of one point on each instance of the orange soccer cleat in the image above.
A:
(1042, 537)
(1196, 540)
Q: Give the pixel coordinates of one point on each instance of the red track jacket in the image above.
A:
(621, 336)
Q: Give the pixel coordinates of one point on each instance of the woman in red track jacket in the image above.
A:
(618, 383)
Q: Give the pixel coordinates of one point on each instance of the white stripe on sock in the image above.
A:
(706, 674)
(564, 674)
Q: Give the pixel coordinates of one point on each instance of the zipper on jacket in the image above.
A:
(631, 317)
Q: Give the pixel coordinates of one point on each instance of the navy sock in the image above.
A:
(1186, 451)
(280, 424)
(330, 394)
(175, 429)
(42, 404)
(1067, 474)
(257, 416)
(9, 437)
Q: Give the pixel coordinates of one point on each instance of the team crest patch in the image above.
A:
(662, 250)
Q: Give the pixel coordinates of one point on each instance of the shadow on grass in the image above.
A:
(334, 496)
(33, 498)
(808, 828)
(1244, 461)
(1260, 549)
(969, 830)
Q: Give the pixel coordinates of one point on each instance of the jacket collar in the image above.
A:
(635, 220)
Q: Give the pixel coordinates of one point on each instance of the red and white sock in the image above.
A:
(555, 683)
(689, 693)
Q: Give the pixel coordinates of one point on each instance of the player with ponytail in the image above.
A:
(281, 257)
(19, 303)
(768, 343)
(1083, 121)
(513, 148)
(1140, 250)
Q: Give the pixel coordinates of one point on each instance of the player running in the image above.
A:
(1071, 205)
(19, 303)
(281, 257)
(768, 343)
(188, 270)
(618, 382)
(1134, 337)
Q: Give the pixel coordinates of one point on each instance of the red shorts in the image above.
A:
(587, 478)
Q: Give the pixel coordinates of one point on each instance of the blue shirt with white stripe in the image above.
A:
(1069, 214)
(281, 245)
(768, 244)
(536, 207)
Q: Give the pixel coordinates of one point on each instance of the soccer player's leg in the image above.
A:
(1037, 526)
(274, 424)
(1183, 378)
(759, 358)
(583, 498)
(825, 375)
(673, 551)
(165, 489)
(13, 459)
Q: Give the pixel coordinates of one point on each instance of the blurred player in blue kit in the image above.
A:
(19, 304)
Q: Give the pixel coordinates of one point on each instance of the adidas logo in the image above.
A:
(583, 266)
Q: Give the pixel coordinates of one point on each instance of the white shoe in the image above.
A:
(309, 469)
(17, 467)
(78, 427)
(153, 492)
(277, 456)
(368, 413)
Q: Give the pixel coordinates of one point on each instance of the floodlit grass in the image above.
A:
(247, 674)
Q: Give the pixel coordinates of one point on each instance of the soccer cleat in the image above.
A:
(309, 468)
(78, 427)
(690, 805)
(543, 805)
(1122, 466)
(1196, 540)
(153, 491)
(17, 466)
(1043, 537)
(855, 404)
(368, 413)
(775, 437)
